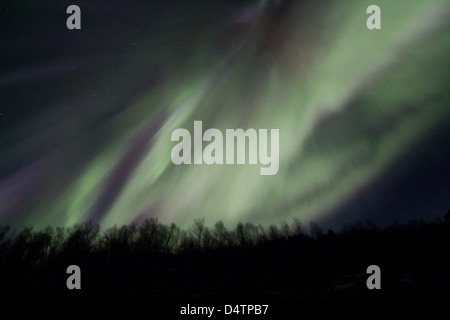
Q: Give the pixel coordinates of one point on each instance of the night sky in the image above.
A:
(86, 115)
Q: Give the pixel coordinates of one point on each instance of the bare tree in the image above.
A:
(285, 229)
(221, 235)
(297, 226)
(198, 230)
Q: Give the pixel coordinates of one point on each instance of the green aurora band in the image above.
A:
(348, 101)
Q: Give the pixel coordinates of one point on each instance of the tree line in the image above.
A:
(35, 248)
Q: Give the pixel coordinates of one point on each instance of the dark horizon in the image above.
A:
(156, 261)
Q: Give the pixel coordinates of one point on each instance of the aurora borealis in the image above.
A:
(86, 115)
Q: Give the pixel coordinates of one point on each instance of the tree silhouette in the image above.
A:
(149, 253)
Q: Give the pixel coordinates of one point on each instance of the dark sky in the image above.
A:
(86, 115)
